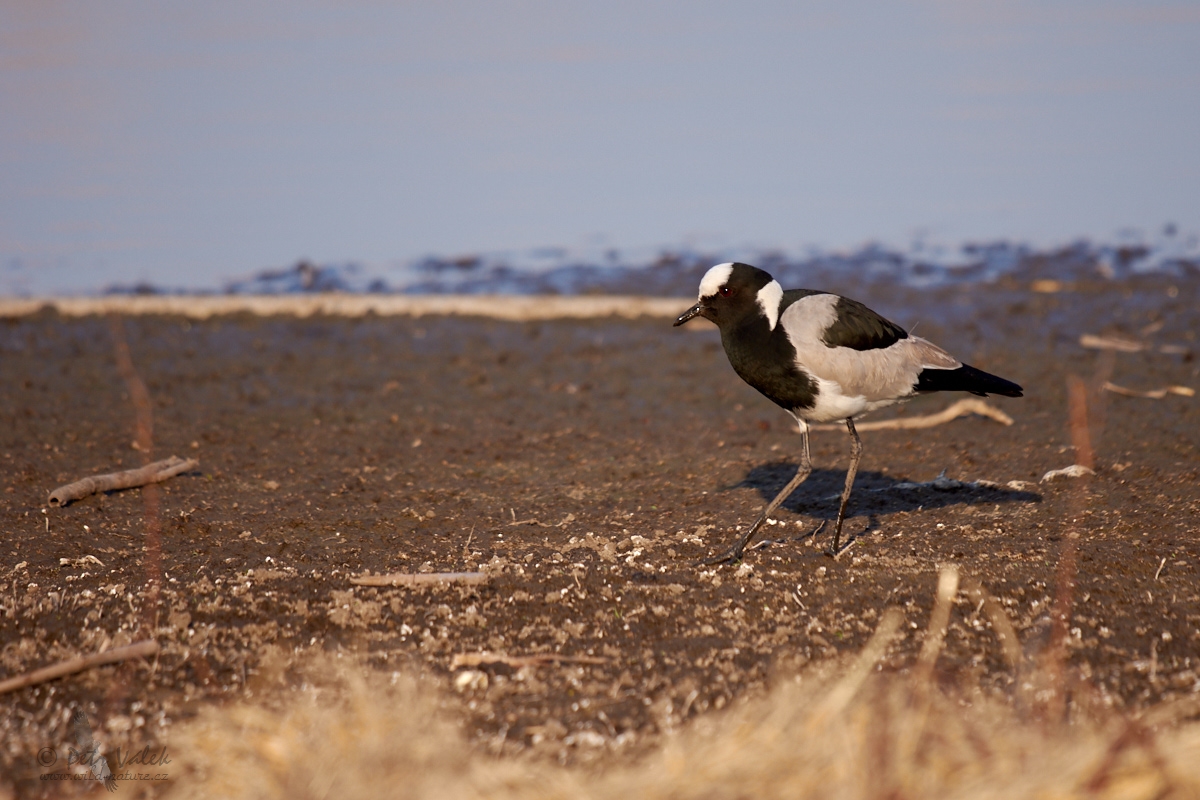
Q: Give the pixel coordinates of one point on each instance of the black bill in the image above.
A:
(694, 311)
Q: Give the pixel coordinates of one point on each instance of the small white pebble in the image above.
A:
(1073, 471)
(470, 679)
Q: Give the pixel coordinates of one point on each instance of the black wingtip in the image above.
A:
(966, 379)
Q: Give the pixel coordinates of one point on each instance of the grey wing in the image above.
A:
(83, 730)
(87, 746)
(877, 374)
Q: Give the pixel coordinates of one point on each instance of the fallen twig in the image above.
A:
(535, 521)
(419, 578)
(1124, 345)
(1118, 343)
(147, 647)
(126, 479)
(1153, 394)
(517, 662)
(1050, 286)
(969, 405)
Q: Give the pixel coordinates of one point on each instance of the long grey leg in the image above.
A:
(855, 457)
(802, 472)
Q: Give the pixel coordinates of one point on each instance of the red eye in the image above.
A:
(725, 291)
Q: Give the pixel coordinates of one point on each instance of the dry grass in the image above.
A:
(841, 731)
(518, 308)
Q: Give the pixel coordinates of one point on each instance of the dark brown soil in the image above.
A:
(588, 466)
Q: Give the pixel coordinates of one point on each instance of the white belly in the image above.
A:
(832, 404)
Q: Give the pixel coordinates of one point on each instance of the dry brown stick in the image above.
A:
(1079, 424)
(147, 647)
(419, 578)
(1083, 415)
(126, 479)
(1152, 394)
(969, 405)
(516, 662)
(1118, 343)
(143, 410)
(139, 395)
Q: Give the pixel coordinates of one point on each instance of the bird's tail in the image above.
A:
(966, 379)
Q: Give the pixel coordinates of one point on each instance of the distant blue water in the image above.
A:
(677, 272)
(191, 145)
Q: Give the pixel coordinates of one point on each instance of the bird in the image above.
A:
(89, 752)
(823, 358)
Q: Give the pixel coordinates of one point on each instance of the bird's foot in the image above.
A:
(731, 557)
(737, 554)
(836, 553)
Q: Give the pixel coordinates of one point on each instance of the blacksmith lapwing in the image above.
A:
(822, 358)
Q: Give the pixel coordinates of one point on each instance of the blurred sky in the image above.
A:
(185, 143)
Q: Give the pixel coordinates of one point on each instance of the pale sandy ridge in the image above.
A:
(506, 307)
